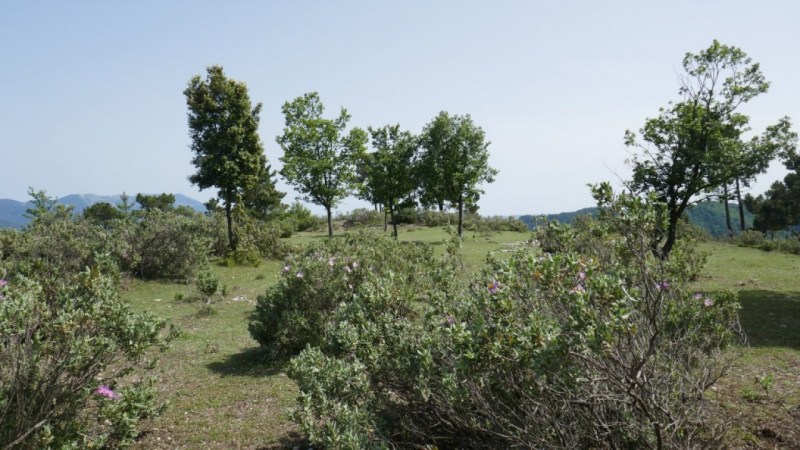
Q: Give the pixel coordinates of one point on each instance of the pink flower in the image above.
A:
(582, 276)
(577, 289)
(708, 302)
(107, 392)
(3, 282)
(663, 285)
(493, 286)
(450, 321)
(698, 296)
(286, 268)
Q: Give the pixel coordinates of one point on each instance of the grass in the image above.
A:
(225, 394)
(761, 394)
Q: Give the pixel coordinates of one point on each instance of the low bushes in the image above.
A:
(64, 355)
(596, 345)
(295, 312)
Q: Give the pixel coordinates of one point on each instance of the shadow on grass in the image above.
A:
(290, 440)
(253, 362)
(771, 319)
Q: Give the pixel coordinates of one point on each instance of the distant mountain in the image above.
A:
(12, 211)
(709, 216)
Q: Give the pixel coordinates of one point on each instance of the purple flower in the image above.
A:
(300, 274)
(450, 321)
(577, 289)
(286, 268)
(493, 286)
(3, 282)
(581, 276)
(107, 392)
(708, 302)
(698, 296)
(663, 285)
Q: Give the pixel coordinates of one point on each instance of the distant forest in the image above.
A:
(709, 216)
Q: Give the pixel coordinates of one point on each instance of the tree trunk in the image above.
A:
(727, 210)
(672, 227)
(460, 215)
(441, 205)
(394, 222)
(741, 206)
(385, 221)
(330, 222)
(231, 239)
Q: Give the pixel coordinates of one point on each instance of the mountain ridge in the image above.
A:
(12, 212)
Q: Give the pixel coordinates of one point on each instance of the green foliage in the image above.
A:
(163, 202)
(302, 217)
(598, 345)
(227, 150)
(103, 214)
(55, 246)
(318, 158)
(779, 207)
(63, 361)
(42, 204)
(163, 244)
(694, 146)
(207, 283)
(453, 163)
(294, 312)
(389, 171)
(362, 217)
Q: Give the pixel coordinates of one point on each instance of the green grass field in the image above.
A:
(224, 394)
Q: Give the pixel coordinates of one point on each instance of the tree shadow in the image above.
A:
(290, 440)
(253, 362)
(771, 319)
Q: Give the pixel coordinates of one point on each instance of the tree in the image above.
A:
(42, 204)
(263, 200)
(163, 202)
(689, 148)
(454, 161)
(223, 125)
(388, 171)
(318, 157)
(125, 206)
(779, 207)
(102, 213)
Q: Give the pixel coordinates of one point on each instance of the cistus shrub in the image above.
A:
(64, 357)
(164, 245)
(296, 311)
(598, 345)
(55, 246)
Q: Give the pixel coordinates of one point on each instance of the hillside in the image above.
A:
(12, 212)
(709, 216)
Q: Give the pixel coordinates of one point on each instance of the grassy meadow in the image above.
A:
(223, 393)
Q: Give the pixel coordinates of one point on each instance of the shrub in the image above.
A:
(54, 247)
(303, 218)
(64, 356)
(294, 312)
(578, 349)
(362, 217)
(207, 284)
(165, 245)
(749, 238)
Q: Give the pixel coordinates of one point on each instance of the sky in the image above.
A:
(92, 91)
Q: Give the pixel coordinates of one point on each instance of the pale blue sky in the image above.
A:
(92, 90)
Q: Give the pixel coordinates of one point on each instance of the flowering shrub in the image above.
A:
(64, 355)
(294, 312)
(597, 345)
